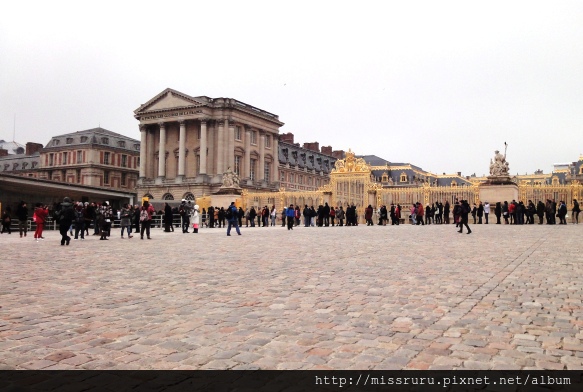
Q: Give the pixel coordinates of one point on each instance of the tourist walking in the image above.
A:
(232, 220)
(464, 210)
(41, 213)
(65, 217)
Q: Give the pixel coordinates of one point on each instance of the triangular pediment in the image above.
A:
(168, 99)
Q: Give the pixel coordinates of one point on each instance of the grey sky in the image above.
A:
(437, 84)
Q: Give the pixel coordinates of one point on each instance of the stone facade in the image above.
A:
(189, 142)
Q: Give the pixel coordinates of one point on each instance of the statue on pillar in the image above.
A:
(499, 166)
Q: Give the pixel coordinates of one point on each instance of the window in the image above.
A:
(137, 147)
(65, 156)
(168, 196)
(281, 176)
(84, 139)
(123, 179)
(198, 133)
(300, 179)
(237, 133)
(69, 140)
(51, 159)
(197, 164)
(106, 177)
(237, 168)
(266, 172)
(79, 156)
(56, 142)
(268, 142)
(581, 170)
(188, 196)
(253, 137)
(252, 169)
(106, 158)
(292, 177)
(121, 143)
(78, 176)
(403, 177)
(105, 140)
(124, 161)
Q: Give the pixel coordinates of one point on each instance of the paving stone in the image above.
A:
(487, 302)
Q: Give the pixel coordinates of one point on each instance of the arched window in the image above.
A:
(453, 183)
(167, 196)
(188, 196)
(150, 197)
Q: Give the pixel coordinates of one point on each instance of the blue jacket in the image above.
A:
(290, 213)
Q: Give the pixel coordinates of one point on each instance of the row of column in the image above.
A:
(223, 161)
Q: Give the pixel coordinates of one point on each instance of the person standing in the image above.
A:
(240, 216)
(79, 221)
(480, 213)
(306, 214)
(185, 210)
(22, 215)
(420, 213)
(106, 214)
(463, 218)
(66, 215)
(486, 211)
(291, 213)
(6, 221)
(252, 215)
(576, 210)
(446, 212)
(540, 211)
(332, 216)
(326, 215)
(168, 227)
(195, 219)
(146, 213)
(232, 219)
(368, 215)
(498, 212)
(505, 211)
(340, 216)
(41, 212)
(474, 212)
(136, 218)
(211, 217)
(126, 220)
(562, 213)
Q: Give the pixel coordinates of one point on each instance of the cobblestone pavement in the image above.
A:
(504, 297)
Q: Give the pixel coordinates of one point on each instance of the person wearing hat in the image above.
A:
(195, 219)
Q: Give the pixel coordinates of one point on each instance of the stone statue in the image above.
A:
(499, 166)
(230, 179)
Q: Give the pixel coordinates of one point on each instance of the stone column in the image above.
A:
(181, 151)
(275, 163)
(143, 147)
(231, 146)
(261, 169)
(203, 146)
(247, 163)
(162, 152)
(220, 155)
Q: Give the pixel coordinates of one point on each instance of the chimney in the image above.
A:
(459, 174)
(327, 150)
(287, 138)
(338, 154)
(32, 148)
(3, 152)
(314, 146)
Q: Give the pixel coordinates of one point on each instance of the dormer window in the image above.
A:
(104, 140)
(84, 139)
(403, 177)
(137, 147)
(121, 143)
(69, 140)
(56, 142)
(24, 165)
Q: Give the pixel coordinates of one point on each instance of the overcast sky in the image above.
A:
(440, 84)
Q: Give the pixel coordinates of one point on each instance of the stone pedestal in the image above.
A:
(224, 200)
(493, 193)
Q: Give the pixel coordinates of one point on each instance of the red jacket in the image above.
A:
(41, 215)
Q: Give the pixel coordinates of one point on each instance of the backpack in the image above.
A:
(144, 215)
(229, 213)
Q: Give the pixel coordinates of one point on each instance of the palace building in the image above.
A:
(187, 143)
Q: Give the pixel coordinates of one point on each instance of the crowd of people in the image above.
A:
(83, 217)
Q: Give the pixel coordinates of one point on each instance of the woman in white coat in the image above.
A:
(195, 218)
